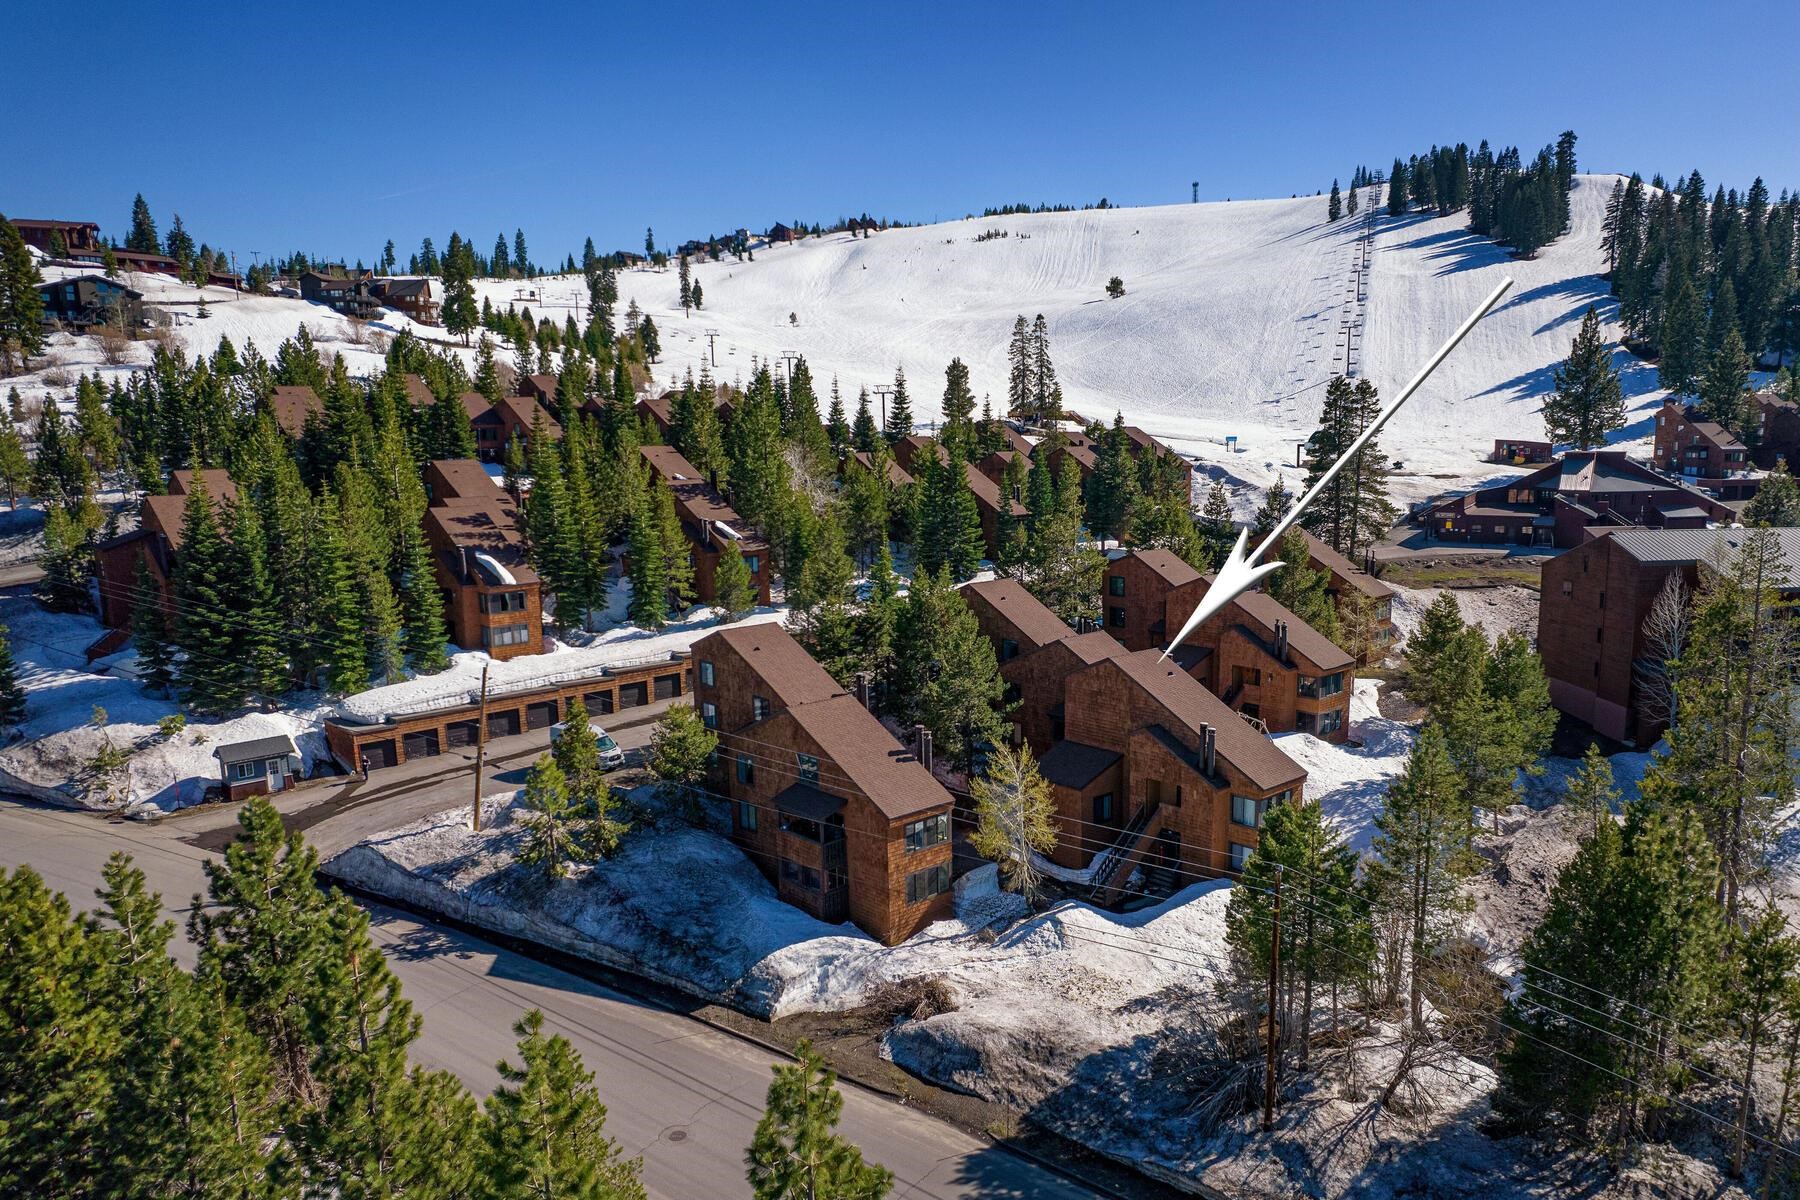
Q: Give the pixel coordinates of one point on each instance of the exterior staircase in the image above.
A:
(1126, 852)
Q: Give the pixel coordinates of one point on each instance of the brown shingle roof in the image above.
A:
(697, 499)
(418, 392)
(987, 492)
(896, 474)
(490, 526)
(164, 513)
(782, 664)
(292, 405)
(218, 484)
(1263, 610)
(527, 411)
(475, 405)
(465, 480)
(1029, 615)
(1324, 557)
(1074, 765)
(1170, 566)
(1190, 704)
(884, 771)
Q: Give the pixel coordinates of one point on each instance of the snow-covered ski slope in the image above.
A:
(1232, 320)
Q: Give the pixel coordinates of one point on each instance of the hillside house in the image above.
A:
(495, 425)
(1347, 577)
(1255, 655)
(781, 233)
(350, 295)
(412, 296)
(86, 301)
(1689, 444)
(846, 822)
(709, 524)
(77, 236)
(493, 600)
(1778, 431)
(1554, 506)
(156, 542)
(1591, 610)
(293, 406)
(1036, 651)
(541, 389)
(1520, 452)
(1155, 770)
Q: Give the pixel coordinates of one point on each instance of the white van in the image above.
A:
(611, 757)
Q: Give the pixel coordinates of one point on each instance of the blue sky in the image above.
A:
(331, 127)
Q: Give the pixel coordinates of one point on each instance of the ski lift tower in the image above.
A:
(712, 348)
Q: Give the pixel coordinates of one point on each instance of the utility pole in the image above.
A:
(712, 348)
(481, 747)
(1269, 1048)
(884, 391)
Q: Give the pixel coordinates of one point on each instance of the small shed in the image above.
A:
(258, 766)
(1519, 452)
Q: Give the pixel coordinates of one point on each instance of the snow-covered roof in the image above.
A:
(494, 567)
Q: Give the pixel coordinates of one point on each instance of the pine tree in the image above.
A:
(1587, 403)
(256, 635)
(552, 821)
(681, 749)
(1683, 337)
(864, 434)
(206, 613)
(1325, 927)
(1217, 528)
(339, 616)
(796, 1153)
(1590, 789)
(678, 566)
(837, 427)
(1019, 390)
(1428, 649)
(21, 308)
(142, 237)
(520, 262)
(648, 560)
(1269, 513)
(381, 1130)
(1015, 818)
(1300, 588)
(1725, 389)
(1398, 190)
(945, 674)
(687, 287)
(1113, 490)
(1776, 504)
(733, 585)
(949, 533)
(958, 433)
(1353, 511)
(1335, 208)
(12, 696)
(1424, 853)
(824, 616)
(15, 464)
(458, 311)
(546, 1127)
(899, 414)
(421, 606)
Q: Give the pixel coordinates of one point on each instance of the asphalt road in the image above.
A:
(682, 1094)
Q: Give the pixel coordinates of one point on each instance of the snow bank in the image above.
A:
(51, 750)
(1351, 782)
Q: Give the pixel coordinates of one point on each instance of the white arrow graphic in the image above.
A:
(1240, 573)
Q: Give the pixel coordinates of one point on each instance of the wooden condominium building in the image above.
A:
(410, 295)
(1600, 666)
(1347, 578)
(989, 491)
(496, 425)
(1255, 655)
(847, 823)
(89, 300)
(77, 236)
(156, 542)
(351, 295)
(1688, 444)
(493, 600)
(709, 524)
(1146, 765)
(1555, 505)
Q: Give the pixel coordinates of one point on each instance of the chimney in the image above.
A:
(922, 743)
(1281, 640)
(1209, 738)
(468, 563)
(706, 532)
(864, 689)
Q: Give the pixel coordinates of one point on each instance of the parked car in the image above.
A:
(611, 756)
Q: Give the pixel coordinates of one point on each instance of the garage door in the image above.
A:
(462, 733)
(379, 754)
(421, 744)
(631, 695)
(504, 724)
(541, 715)
(598, 702)
(668, 686)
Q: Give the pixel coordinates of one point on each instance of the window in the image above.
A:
(277, 767)
(932, 831)
(1331, 720)
(923, 885)
(1246, 811)
(502, 602)
(1103, 806)
(809, 767)
(746, 770)
(706, 673)
(1116, 616)
(505, 635)
(1009, 649)
(1568, 588)
(753, 562)
(746, 816)
(1115, 585)
(802, 827)
(1240, 854)
(1324, 685)
(709, 714)
(244, 770)
(802, 876)
(759, 708)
